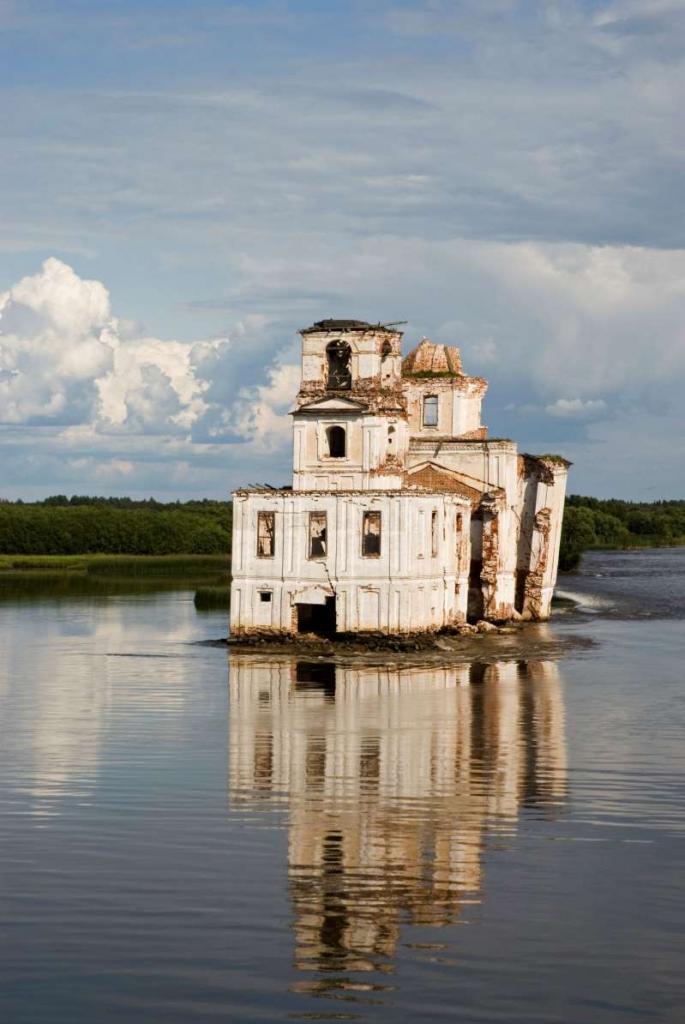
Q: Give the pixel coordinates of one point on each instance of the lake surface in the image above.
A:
(281, 841)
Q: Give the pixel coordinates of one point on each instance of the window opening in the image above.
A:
(430, 411)
(458, 527)
(265, 596)
(266, 529)
(338, 356)
(317, 534)
(371, 535)
(434, 534)
(336, 442)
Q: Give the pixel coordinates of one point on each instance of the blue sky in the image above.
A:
(183, 185)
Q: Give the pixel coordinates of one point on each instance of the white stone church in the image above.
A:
(402, 516)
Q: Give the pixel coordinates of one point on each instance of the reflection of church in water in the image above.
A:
(392, 779)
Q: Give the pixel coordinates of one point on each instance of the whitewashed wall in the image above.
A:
(369, 443)
(407, 587)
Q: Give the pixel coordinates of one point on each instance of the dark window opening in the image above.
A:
(266, 530)
(430, 411)
(339, 376)
(371, 535)
(317, 534)
(434, 534)
(386, 350)
(336, 442)
(265, 596)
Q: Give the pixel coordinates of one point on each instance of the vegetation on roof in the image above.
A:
(430, 373)
(559, 460)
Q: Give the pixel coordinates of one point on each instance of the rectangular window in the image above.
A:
(265, 596)
(371, 535)
(430, 411)
(458, 527)
(266, 530)
(434, 534)
(317, 535)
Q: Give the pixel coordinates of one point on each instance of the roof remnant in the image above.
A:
(343, 325)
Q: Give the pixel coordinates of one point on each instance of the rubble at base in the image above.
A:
(481, 641)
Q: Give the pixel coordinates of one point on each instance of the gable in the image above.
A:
(431, 476)
(333, 404)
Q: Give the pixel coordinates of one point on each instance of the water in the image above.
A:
(296, 842)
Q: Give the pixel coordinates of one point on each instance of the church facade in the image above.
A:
(403, 516)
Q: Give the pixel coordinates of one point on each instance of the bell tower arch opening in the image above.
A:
(338, 370)
(337, 446)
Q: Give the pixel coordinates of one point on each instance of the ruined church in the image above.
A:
(403, 516)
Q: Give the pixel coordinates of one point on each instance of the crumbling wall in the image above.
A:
(533, 602)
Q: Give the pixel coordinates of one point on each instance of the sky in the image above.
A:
(184, 185)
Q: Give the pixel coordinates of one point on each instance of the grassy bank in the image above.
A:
(176, 566)
(216, 596)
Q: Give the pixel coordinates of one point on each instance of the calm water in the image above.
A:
(295, 842)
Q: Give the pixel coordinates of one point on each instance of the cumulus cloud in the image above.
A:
(575, 337)
(115, 406)
(260, 411)
(65, 359)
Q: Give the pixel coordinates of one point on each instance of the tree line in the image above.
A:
(82, 524)
(612, 523)
(79, 526)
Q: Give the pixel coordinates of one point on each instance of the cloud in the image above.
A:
(261, 410)
(501, 174)
(68, 363)
(64, 358)
(572, 336)
(576, 408)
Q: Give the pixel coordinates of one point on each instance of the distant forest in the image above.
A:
(89, 525)
(611, 523)
(83, 524)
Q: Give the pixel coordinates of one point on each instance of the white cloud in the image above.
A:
(261, 410)
(576, 408)
(572, 336)
(115, 406)
(65, 359)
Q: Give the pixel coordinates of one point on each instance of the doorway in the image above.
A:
(317, 618)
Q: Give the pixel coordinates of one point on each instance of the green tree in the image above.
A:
(577, 534)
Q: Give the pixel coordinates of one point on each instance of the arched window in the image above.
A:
(339, 376)
(336, 442)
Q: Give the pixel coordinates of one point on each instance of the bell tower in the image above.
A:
(350, 425)
(349, 355)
